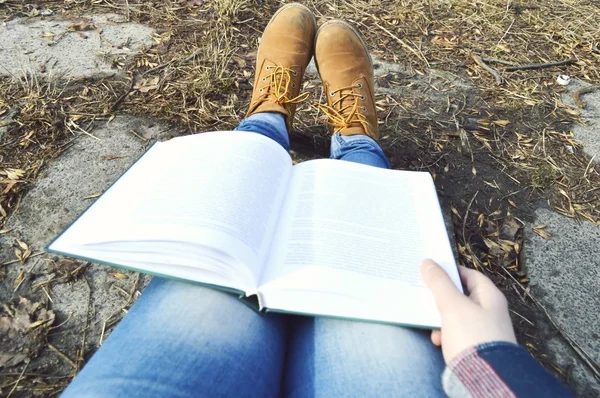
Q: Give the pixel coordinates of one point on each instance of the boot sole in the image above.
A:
(353, 29)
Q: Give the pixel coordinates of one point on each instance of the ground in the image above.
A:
(86, 86)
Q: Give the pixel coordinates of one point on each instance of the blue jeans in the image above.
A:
(182, 340)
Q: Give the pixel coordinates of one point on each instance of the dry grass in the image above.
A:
(503, 147)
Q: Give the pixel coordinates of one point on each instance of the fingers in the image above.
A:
(437, 280)
(474, 279)
(481, 288)
(436, 337)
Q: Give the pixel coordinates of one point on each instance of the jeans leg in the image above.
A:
(182, 340)
(269, 124)
(337, 358)
(358, 149)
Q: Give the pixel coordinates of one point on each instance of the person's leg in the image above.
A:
(269, 124)
(183, 340)
(329, 357)
(358, 149)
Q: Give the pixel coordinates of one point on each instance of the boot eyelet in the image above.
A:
(293, 85)
(364, 109)
(362, 97)
(264, 79)
(294, 73)
(268, 67)
(260, 91)
(332, 93)
(359, 85)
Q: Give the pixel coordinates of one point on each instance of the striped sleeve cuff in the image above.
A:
(469, 375)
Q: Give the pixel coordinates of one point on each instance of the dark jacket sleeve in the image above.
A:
(499, 369)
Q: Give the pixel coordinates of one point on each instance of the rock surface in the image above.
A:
(73, 48)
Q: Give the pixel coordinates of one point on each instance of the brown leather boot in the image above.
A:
(345, 67)
(284, 52)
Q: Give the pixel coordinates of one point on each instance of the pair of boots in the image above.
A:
(289, 41)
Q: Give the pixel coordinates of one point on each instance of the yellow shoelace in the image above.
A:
(342, 115)
(277, 90)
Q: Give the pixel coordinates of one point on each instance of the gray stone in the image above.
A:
(587, 133)
(57, 198)
(51, 46)
(564, 272)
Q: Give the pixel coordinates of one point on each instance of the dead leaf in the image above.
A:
(145, 85)
(19, 279)
(22, 244)
(444, 42)
(82, 25)
(93, 196)
(13, 174)
(112, 157)
(119, 275)
(24, 328)
(542, 232)
(510, 228)
(501, 123)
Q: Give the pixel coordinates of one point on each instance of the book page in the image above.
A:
(358, 231)
(221, 190)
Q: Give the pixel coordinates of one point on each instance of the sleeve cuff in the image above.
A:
(469, 375)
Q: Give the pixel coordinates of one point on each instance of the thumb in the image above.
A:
(437, 280)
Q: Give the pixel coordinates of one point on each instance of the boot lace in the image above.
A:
(277, 88)
(344, 112)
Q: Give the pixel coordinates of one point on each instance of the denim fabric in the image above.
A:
(356, 148)
(269, 124)
(182, 340)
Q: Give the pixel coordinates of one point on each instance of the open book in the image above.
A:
(229, 210)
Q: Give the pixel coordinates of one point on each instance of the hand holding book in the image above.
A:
(479, 317)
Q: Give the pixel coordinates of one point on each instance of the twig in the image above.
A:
(16, 261)
(588, 166)
(122, 97)
(183, 61)
(468, 246)
(497, 61)
(18, 380)
(72, 123)
(586, 90)
(62, 355)
(467, 216)
(403, 44)
(102, 334)
(499, 79)
(541, 66)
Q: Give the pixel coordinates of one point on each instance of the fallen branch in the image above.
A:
(499, 79)
(569, 61)
(122, 97)
(497, 61)
(586, 90)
